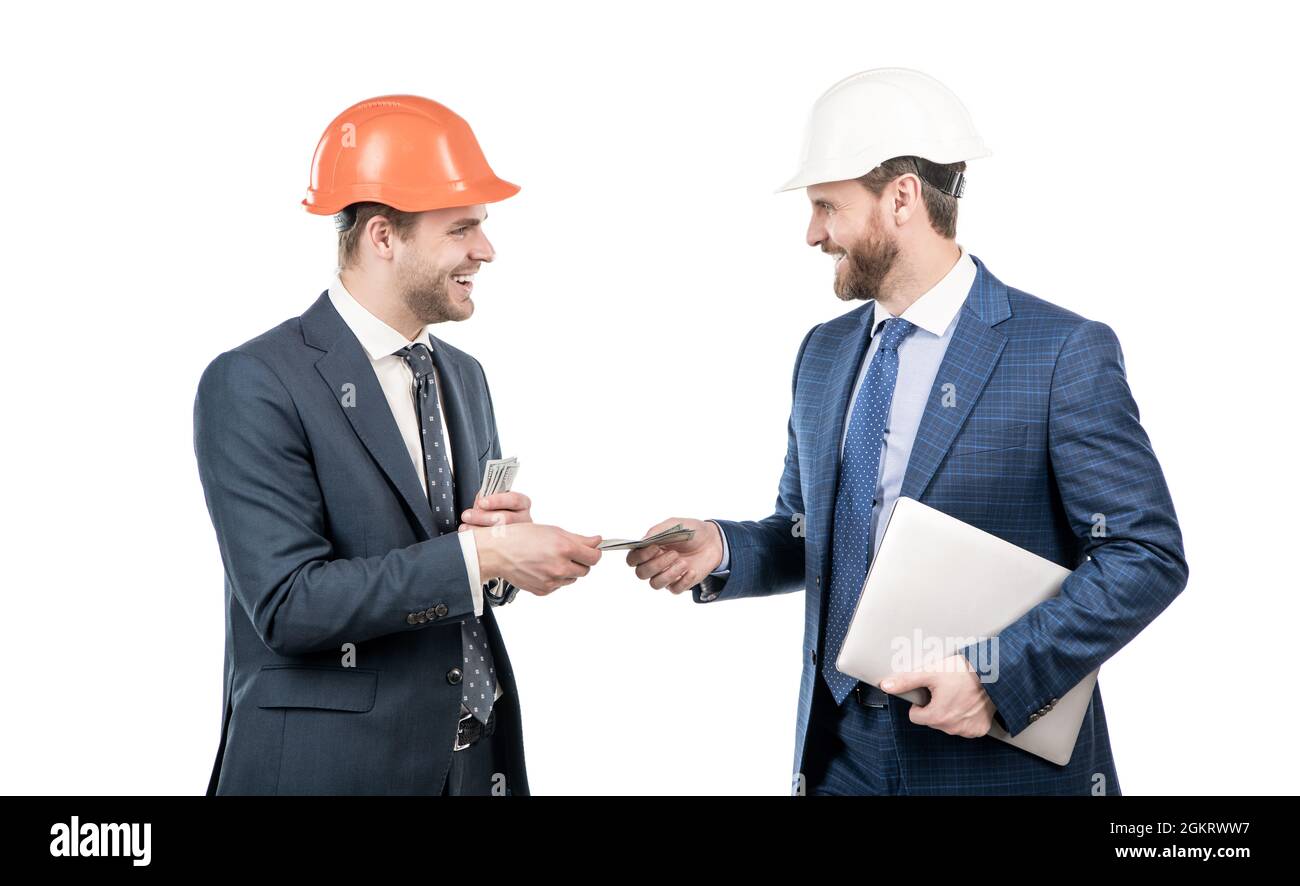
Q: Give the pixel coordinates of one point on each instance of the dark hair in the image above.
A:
(940, 207)
(350, 239)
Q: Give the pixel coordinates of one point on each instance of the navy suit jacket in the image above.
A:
(1040, 445)
(327, 539)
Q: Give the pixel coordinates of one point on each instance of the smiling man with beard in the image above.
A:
(949, 387)
(340, 455)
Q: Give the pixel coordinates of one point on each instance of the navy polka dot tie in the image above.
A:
(479, 674)
(855, 499)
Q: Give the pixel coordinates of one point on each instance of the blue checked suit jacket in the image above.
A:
(1043, 437)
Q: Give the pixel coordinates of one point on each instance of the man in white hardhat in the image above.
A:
(949, 387)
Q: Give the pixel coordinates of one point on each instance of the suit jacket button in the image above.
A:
(421, 618)
(1033, 717)
(440, 610)
(812, 655)
(1053, 701)
(819, 581)
(410, 618)
(453, 676)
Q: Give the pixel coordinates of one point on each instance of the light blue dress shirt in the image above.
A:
(934, 315)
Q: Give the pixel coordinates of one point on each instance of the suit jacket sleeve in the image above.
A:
(1114, 497)
(766, 556)
(255, 464)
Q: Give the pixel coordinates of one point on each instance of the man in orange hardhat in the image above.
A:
(340, 455)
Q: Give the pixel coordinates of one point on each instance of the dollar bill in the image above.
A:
(499, 476)
(669, 536)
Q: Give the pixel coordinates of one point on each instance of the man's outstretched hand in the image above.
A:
(683, 565)
(535, 557)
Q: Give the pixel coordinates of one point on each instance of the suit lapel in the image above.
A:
(967, 366)
(839, 386)
(345, 362)
(345, 367)
(372, 420)
(465, 447)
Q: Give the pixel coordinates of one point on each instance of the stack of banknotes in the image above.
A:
(499, 476)
(671, 535)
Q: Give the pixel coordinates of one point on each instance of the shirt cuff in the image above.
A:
(470, 550)
(725, 566)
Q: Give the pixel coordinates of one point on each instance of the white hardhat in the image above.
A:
(870, 117)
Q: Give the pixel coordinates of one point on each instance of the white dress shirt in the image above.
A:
(380, 341)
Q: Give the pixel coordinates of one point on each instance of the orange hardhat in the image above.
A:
(404, 151)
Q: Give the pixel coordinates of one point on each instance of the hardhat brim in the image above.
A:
(487, 190)
(844, 168)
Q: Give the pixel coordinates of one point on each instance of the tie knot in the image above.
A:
(896, 329)
(418, 357)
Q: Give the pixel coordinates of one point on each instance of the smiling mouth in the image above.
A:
(464, 283)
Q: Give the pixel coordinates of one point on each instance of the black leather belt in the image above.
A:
(871, 696)
(470, 730)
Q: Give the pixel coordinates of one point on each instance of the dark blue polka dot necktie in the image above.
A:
(479, 674)
(855, 499)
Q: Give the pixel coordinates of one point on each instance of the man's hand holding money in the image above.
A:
(682, 565)
(496, 510)
(535, 557)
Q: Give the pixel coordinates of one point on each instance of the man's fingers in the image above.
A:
(656, 565)
(479, 517)
(582, 548)
(650, 569)
(685, 581)
(585, 555)
(673, 570)
(905, 680)
(505, 501)
(637, 556)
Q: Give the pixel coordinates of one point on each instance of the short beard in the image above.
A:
(423, 288)
(869, 262)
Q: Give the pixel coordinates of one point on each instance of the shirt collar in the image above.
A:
(938, 305)
(376, 337)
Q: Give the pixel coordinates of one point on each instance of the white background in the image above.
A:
(638, 330)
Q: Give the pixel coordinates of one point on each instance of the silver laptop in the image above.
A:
(937, 585)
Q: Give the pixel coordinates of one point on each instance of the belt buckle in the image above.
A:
(459, 725)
